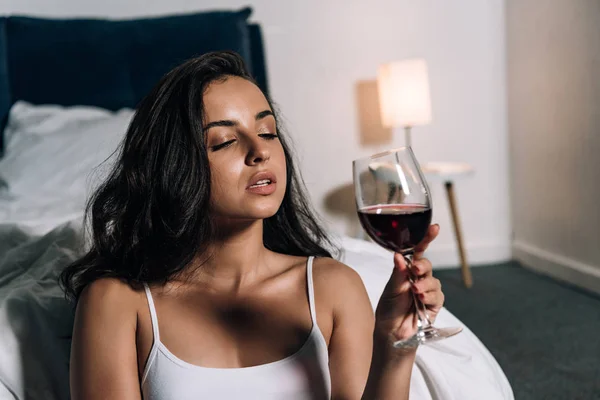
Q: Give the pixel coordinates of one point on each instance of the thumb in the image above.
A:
(398, 282)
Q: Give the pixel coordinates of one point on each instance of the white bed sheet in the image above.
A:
(35, 321)
(38, 215)
(458, 368)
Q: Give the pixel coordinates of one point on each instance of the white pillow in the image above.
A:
(53, 150)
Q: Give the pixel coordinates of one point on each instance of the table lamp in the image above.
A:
(404, 95)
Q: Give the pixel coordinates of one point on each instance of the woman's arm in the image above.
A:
(389, 376)
(362, 364)
(103, 351)
(351, 342)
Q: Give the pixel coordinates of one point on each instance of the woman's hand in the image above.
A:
(396, 315)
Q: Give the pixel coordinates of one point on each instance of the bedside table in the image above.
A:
(448, 172)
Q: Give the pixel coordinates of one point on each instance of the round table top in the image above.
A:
(447, 170)
(433, 170)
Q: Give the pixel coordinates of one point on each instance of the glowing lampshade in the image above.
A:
(404, 93)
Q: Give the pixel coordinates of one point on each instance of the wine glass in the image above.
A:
(394, 208)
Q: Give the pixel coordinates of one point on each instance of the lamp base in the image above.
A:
(407, 141)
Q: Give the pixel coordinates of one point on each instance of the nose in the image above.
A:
(258, 152)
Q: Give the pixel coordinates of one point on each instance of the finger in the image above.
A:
(427, 285)
(408, 327)
(398, 282)
(432, 233)
(433, 300)
(422, 268)
(400, 263)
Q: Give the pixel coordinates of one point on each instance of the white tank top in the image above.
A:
(303, 375)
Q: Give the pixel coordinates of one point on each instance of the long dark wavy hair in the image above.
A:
(150, 217)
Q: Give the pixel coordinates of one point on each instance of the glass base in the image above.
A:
(427, 335)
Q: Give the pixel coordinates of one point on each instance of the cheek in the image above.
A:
(282, 182)
(224, 177)
(283, 165)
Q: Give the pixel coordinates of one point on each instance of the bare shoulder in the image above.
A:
(346, 304)
(103, 350)
(339, 285)
(109, 296)
(333, 273)
(108, 289)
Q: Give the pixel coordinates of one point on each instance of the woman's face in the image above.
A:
(247, 162)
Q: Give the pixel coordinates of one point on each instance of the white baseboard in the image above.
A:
(447, 257)
(557, 266)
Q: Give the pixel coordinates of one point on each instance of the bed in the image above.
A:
(67, 93)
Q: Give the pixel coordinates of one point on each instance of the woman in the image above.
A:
(209, 276)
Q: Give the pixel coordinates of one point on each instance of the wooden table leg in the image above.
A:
(466, 272)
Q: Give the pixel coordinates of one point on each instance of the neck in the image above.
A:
(236, 258)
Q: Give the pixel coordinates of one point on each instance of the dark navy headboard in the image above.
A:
(112, 63)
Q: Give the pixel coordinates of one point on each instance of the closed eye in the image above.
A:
(268, 136)
(222, 145)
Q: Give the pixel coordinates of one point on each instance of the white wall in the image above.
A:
(319, 50)
(554, 118)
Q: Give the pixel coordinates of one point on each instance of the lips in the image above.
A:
(262, 183)
(261, 179)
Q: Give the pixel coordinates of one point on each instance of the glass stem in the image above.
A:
(422, 316)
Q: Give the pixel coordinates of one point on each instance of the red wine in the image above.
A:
(397, 227)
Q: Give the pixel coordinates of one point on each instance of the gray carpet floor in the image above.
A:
(545, 334)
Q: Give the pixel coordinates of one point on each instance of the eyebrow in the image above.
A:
(228, 122)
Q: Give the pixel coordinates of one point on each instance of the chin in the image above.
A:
(250, 210)
(263, 212)
(262, 207)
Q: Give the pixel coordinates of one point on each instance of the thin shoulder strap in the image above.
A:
(152, 314)
(311, 290)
